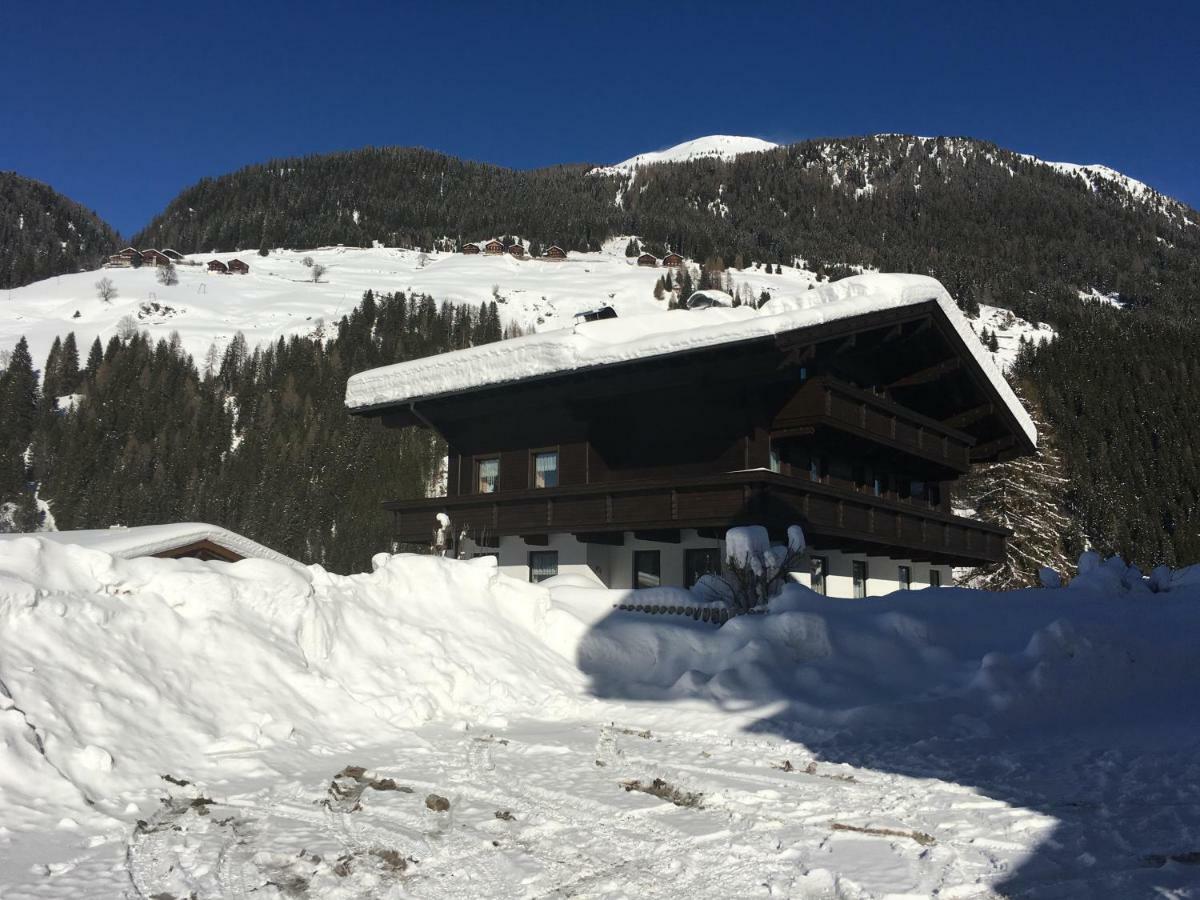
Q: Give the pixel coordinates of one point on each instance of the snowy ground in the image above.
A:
(172, 728)
(278, 298)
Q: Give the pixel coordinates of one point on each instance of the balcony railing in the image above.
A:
(830, 514)
(828, 402)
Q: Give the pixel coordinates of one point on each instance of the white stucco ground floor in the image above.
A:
(627, 561)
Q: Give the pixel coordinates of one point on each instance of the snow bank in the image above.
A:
(920, 662)
(113, 672)
(615, 341)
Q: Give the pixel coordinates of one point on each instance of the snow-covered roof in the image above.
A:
(148, 540)
(614, 341)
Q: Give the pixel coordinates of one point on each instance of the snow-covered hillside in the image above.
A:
(713, 146)
(277, 298)
(1009, 329)
(176, 728)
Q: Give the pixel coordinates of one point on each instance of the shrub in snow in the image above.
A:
(754, 570)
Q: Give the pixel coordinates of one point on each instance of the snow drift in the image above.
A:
(114, 672)
(932, 661)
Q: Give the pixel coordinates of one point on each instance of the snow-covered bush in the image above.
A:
(755, 571)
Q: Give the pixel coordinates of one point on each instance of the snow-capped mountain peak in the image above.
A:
(714, 146)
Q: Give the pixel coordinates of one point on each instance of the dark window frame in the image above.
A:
(904, 577)
(823, 562)
(689, 554)
(935, 577)
(860, 575)
(637, 569)
(476, 464)
(532, 568)
(533, 455)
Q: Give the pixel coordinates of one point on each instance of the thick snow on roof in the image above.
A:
(614, 341)
(147, 540)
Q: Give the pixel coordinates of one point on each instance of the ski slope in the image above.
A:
(278, 299)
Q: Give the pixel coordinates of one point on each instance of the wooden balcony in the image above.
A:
(826, 402)
(832, 516)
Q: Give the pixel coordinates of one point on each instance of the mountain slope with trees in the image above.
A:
(261, 443)
(995, 226)
(43, 233)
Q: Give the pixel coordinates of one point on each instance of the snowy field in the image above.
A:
(174, 728)
(277, 297)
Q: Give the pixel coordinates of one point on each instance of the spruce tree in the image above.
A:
(1030, 496)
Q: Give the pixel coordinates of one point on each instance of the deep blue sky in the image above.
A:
(121, 105)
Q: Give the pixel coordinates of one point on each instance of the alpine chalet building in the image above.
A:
(623, 449)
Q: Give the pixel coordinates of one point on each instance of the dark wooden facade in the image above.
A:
(154, 258)
(855, 429)
(673, 259)
(516, 250)
(648, 259)
(237, 267)
(470, 249)
(215, 265)
(554, 252)
(493, 248)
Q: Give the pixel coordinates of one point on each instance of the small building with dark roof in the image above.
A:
(517, 251)
(648, 259)
(673, 259)
(555, 252)
(470, 249)
(239, 267)
(215, 265)
(493, 248)
(154, 258)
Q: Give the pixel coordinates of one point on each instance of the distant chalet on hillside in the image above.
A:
(517, 251)
(123, 259)
(155, 258)
(470, 249)
(493, 248)
(554, 252)
(672, 259)
(173, 255)
(215, 265)
(648, 259)
(236, 266)
(623, 449)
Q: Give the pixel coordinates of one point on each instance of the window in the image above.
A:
(820, 568)
(647, 568)
(816, 468)
(935, 494)
(859, 568)
(904, 576)
(935, 578)
(774, 462)
(698, 563)
(543, 564)
(489, 472)
(545, 469)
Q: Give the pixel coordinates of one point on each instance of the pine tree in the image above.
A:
(1028, 495)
